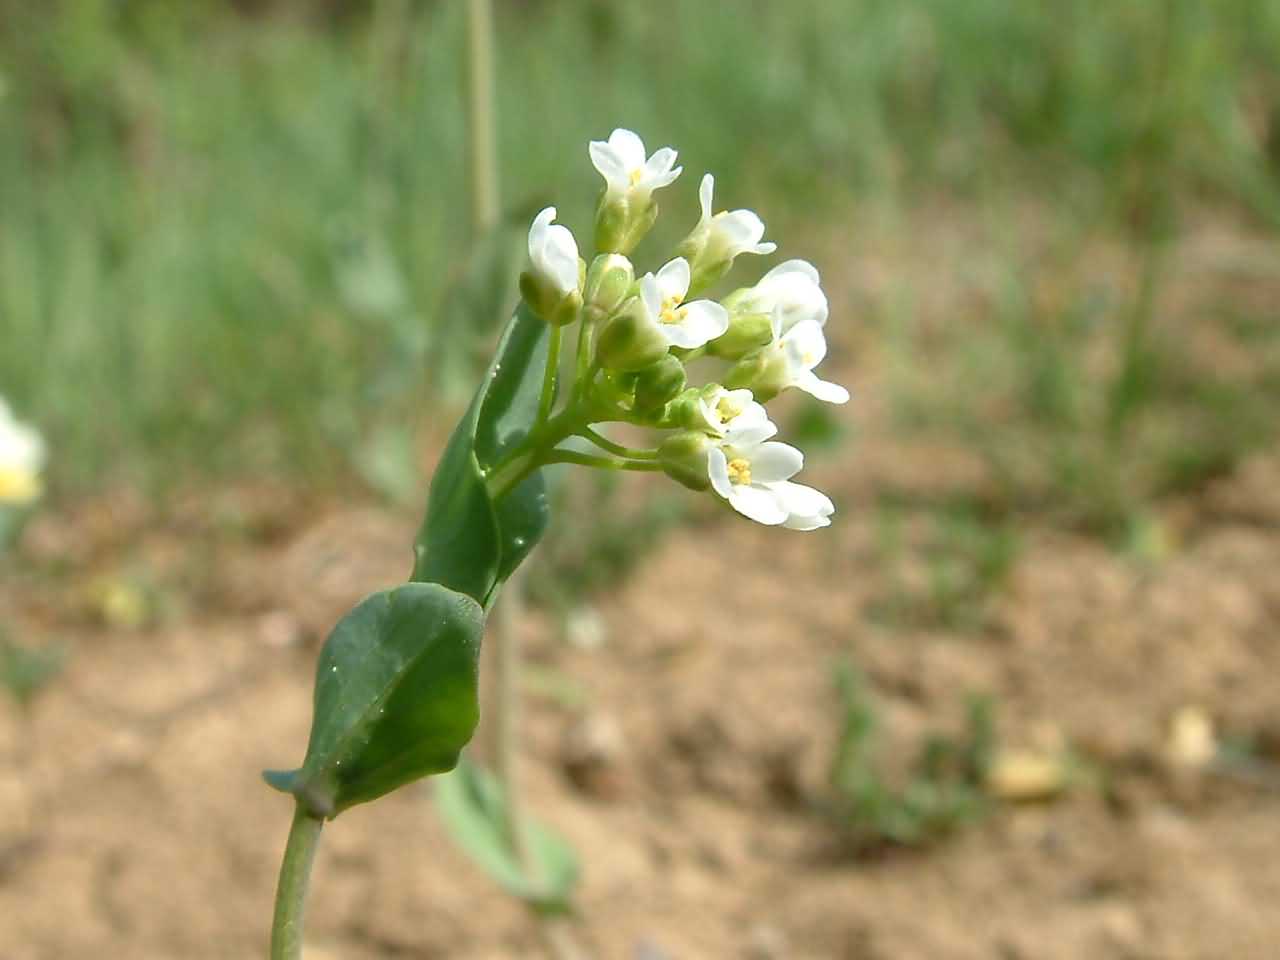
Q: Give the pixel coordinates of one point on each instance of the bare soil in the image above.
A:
(133, 823)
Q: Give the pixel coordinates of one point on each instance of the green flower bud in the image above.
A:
(684, 458)
(623, 220)
(683, 411)
(607, 285)
(631, 340)
(547, 301)
(704, 273)
(657, 384)
(747, 332)
(764, 373)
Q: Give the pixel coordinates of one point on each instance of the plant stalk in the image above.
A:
(508, 669)
(291, 890)
(481, 133)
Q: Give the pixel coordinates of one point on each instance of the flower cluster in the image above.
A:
(638, 336)
(21, 460)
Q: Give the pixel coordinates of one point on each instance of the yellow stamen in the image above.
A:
(637, 175)
(671, 311)
(726, 410)
(739, 470)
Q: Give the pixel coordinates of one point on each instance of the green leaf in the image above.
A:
(472, 805)
(395, 697)
(469, 542)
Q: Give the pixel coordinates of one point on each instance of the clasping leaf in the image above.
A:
(395, 697)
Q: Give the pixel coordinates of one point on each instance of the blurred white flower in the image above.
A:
(22, 456)
(791, 290)
(621, 161)
(553, 253)
(683, 324)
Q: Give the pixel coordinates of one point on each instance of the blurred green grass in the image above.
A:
(228, 231)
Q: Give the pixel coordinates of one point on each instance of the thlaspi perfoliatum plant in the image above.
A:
(395, 693)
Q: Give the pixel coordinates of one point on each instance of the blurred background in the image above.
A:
(1018, 701)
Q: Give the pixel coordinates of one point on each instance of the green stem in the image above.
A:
(604, 463)
(604, 443)
(522, 461)
(583, 366)
(291, 891)
(548, 395)
(481, 141)
(508, 668)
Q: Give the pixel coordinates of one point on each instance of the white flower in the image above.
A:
(754, 474)
(801, 349)
(730, 232)
(745, 473)
(621, 161)
(807, 508)
(726, 412)
(683, 324)
(21, 459)
(790, 289)
(553, 253)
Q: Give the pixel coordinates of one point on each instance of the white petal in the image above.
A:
(758, 504)
(629, 148)
(538, 231)
(823, 390)
(651, 294)
(794, 293)
(609, 164)
(763, 249)
(560, 258)
(752, 415)
(805, 345)
(705, 191)
(710, 419)
(774, 462)
(807, 508)
(703, 320)
(790, 268)
(663, 179)
(740, 230)
(748, 435)
(660, 164)
(673, 279)
(21, 447)
(718, 471)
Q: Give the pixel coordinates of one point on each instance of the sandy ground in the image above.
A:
(133, 823)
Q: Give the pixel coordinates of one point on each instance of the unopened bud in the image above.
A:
(684, 458)
(622, 220)
(658, 384)
(764, 373)
(631, 340)
(747, 332)
(683, 411)
(547, 301)
(608, 283)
